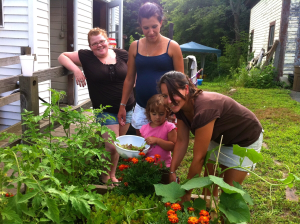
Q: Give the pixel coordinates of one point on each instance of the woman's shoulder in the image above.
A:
(85, 54)
(123, 54)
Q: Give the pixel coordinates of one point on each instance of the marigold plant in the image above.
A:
(204, 213)
(203, 220)
(134, 160)
(126, 184)
(141, 175)
(142, 154)
(157, 156)
(173, 218)
(167, 204)
(176, 206)
(171, 212)
(149, 159)
(193, 220)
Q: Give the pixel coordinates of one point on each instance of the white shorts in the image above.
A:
(233, 160)
(139, 117)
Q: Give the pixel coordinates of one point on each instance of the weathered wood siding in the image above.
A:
(84, 24)
(262, 14)
(293, 39)
(22, 28)
(58, 43)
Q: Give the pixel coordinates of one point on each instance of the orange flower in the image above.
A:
(204, 213)
(149, 159)
(122, 167)
(176, 206)
(120, 178)
(173, 218)
(157, 156)
(134, 160)
(126, 184)
(142, 154)
(193, 220)
(168, 204)
(203, 220)
(191, 209)
(171, 212)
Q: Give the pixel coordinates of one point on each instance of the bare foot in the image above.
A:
(105, 178)
(114, 179)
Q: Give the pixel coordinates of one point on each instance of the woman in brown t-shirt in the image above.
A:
(104, 71)
(209, 116)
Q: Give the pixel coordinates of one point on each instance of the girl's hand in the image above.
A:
(80, 78)
(151, 140)
(172, 177)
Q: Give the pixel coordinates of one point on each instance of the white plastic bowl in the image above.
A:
(135, 141)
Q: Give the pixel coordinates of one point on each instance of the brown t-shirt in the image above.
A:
(236, 123)
(105, 82)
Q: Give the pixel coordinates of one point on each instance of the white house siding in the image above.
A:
(84, 22)
(262, 14)
(13, 36)
(293, 32)
(42, 46)
(58, 44)
(22, 28)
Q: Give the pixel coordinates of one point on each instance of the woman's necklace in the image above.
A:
(154, 47)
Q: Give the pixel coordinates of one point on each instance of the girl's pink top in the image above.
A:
(159, 132)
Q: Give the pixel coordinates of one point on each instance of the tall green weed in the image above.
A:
(255, 78)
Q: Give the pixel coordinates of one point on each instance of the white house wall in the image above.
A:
(84, 22)
(293, 33)
(16, 33)
(58, 44)
(42, 47)
(262, 14)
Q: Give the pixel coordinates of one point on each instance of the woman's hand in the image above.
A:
(80, 78)
(151, 140)
(186, 197)
(122, 115)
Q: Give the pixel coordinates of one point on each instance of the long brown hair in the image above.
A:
(176, 80)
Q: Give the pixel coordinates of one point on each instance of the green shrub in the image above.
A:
(256, 77)
(128, 209)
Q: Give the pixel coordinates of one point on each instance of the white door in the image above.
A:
(115, 21)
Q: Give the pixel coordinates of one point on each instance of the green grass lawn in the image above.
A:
(280, 118)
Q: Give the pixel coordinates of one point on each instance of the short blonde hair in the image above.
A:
(95, 32)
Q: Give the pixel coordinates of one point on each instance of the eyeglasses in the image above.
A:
(96, 44)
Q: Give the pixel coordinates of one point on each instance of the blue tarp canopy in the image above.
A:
(195, 47)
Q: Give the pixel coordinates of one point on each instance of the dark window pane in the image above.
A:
(1, 14)
(271, 36)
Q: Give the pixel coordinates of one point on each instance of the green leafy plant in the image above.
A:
(256, 77)
(51, 167)
(139, 175)
(128, 209)
(232, 205)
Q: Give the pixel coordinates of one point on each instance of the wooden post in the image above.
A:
(29, 96)
(70, 91)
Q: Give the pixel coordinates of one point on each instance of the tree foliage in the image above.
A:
(202, 21)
